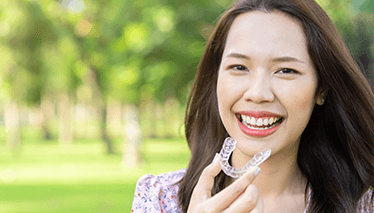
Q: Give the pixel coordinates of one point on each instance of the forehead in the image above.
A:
(273, 33)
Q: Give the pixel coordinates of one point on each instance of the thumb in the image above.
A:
(206, 181)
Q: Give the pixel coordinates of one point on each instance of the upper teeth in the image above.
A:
(259, 121)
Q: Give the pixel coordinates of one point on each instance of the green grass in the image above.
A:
(47, 178)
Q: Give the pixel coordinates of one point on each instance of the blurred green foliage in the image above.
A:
(135, 50)
(355, 21)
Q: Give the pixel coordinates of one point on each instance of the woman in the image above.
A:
(275, 74)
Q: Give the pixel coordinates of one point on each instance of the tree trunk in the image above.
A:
(160, 121)
(101, 104)
(171, 118)
(47, 109)
(132, 137)
(12, 124)
(65, 136)
(103, 127)
(148, 112)
(114, 118)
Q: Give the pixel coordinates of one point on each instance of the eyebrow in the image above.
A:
(279, 59)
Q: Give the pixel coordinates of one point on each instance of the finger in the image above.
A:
(247, 202)
(206, 181)
(203, 188)
(227, 196)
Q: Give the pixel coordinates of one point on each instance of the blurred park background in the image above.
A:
(93, 93)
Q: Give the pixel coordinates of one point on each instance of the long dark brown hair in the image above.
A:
(336, 151)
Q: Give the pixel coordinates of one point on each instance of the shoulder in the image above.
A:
(365, 202)
(157, 193)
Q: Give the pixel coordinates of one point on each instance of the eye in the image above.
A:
(238, 67)
(287, 71)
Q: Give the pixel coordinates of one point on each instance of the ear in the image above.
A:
(321, 97)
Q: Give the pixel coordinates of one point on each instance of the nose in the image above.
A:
(259, 89)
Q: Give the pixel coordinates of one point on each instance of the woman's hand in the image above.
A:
(240, 196)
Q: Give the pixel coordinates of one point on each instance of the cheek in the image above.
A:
(229, 88)
(300, 101)
(222, 94)
(228, 93)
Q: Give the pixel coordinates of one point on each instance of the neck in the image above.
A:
(280, 175)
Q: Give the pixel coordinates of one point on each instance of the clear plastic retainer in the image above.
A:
(228, 147)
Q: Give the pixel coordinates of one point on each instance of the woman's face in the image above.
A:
(267, 83)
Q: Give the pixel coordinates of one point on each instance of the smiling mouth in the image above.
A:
(262, 123)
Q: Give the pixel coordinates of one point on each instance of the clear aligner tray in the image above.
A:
(228, 147)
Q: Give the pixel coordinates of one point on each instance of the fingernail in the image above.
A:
(258, 170)
(215, 158)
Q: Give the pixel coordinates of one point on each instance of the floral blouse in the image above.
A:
(159, 194)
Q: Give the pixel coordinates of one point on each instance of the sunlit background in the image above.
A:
(93, 93)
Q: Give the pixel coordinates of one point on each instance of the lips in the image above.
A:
(259, 124)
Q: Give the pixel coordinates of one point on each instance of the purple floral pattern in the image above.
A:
(159, 194)
(364, 203)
